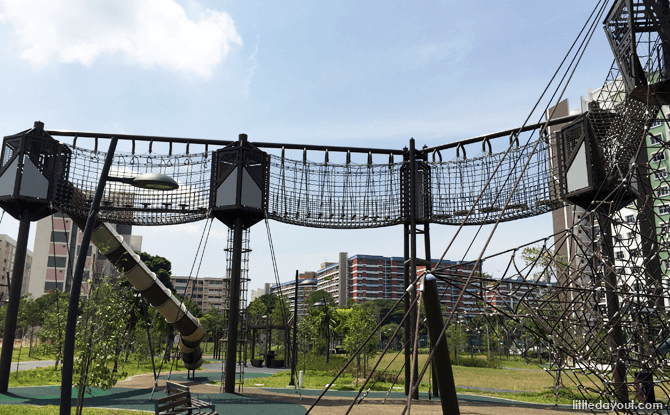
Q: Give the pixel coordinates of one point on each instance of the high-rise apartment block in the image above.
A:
(7, 253)
(57, 245)
(206, 292)
(361, 278)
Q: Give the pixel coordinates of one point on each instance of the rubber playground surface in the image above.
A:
(136, 394)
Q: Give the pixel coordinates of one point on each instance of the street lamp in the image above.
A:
(147, 181)
(294, 358)
(326, 310)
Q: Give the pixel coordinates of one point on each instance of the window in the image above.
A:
(663, 191)
(655, 139)
(620, 255)
(630, 218)
(660, 174)
(656, 123)
(663, 209)
(57, 236)
(662, 228)
(658, 156)
(57, 262)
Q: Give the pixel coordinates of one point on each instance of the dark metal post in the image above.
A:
(73, 307)
(233, 314)
(14, 300)
(616, 339)
(327, 334)
(408, 328)
(426, 244)
(294, 349)
(649, 237)
(408, 325)
(413, 191)
(441, 359)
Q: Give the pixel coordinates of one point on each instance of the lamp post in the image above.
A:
(148, 180)
(294, 357)
(326, 310)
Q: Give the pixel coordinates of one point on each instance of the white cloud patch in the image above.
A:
(146, 32)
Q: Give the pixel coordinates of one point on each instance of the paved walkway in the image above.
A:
(33, 364)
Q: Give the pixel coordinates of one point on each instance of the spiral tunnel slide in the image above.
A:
(121, 255)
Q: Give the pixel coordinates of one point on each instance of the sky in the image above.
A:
(346, 73)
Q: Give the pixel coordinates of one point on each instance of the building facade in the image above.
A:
(57, 245)
(307, 283)
(7, 254)
(371, 277)
(206, 292)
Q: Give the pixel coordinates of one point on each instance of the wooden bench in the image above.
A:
(179, 401)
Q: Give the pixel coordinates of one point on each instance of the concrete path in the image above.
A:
(32, 364)
(249, 369)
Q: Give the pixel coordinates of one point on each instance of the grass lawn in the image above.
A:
(35, 355)
(538, 385)
(48, 376)
(54, 410)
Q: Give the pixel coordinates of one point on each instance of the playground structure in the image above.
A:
(604, 319)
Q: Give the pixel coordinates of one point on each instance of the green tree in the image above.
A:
(262, 306)
(544, 264)
(102, 322)
(359, 325)
(457, 338)
(213, 322)
(52, 309)
(320, 296)
(161, 266)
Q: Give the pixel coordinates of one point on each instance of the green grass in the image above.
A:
(36, 354)
(538, 386)
(44, 376)
(54, 410)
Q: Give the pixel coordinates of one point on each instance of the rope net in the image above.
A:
(322, 195)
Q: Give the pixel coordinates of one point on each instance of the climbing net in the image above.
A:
(324, 195)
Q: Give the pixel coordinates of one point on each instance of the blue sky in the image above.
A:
(369, 73)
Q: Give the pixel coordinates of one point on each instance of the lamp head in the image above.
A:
(156, 181)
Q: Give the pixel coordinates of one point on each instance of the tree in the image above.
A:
(359, 325)
(53, 311)
(544, 264)
(213, 322)
(161, 266)
(457, 337)
(320, 296)
(262, 306)
(379, 308)
(102, 322)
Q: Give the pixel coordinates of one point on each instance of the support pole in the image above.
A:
(413, 193)
(294, 349)
(407, 326)
(233, 313)
(73, 307)
(616, 340)
(426, 244)
(14, 300)
(648, 235)
(441, 359)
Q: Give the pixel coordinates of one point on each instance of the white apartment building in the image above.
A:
(57, 244)
(206, 292)
(7, 254)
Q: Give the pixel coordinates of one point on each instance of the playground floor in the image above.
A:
(135, 393)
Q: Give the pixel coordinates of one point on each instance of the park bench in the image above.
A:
(179, 401)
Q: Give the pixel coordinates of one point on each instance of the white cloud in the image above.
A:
(145, 32)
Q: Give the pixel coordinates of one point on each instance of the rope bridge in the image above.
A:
(323, 195)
